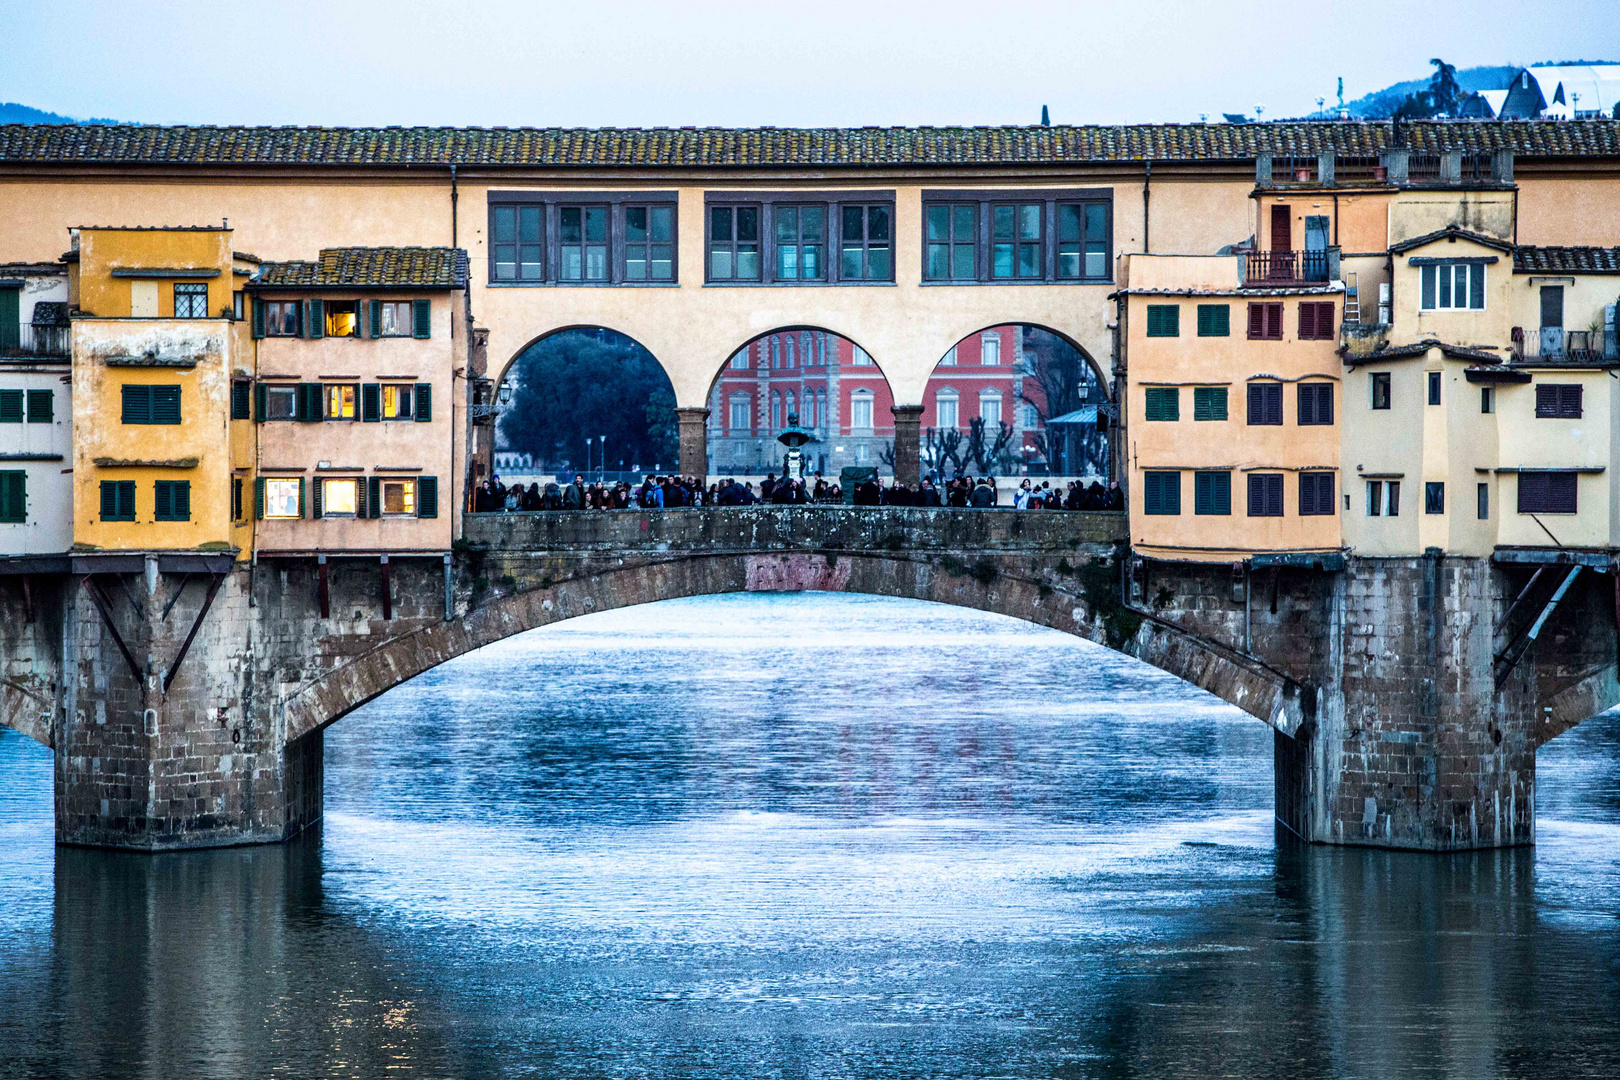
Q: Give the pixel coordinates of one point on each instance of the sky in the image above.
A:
(595, 63)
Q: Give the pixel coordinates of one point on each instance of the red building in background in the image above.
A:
(841, 395)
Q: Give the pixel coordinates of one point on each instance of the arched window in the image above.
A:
(740, 419)
(861, 359)
(776, 351)
(990, 409)
(788, 353)
(821, 408)
(860, 410)
(945, 402)
(990, 349)
(791, 408)
(806, 353)
(776, 410)
(740, 361)
(821, 349)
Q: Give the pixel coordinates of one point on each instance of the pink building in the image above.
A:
(841, 395)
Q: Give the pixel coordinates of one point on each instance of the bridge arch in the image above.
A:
(1004, 588)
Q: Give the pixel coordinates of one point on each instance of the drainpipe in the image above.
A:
(1147, 183)
(454, 195)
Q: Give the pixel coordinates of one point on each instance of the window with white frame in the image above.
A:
(283, 498)
(740, 361)
(990, 350)
(1453, 286)
(990, 408)
(860, 410)
(776, 410)
(338, 498)
(1027, 418)
(949, 359)
(398, 498)
(945, 402)
(861, 359)
(739, 413)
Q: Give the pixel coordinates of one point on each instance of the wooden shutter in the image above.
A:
(1274, 322)
(317, 489)
(360, 497)
(137, 404)
(1561, 493)
(308, 404)
(109, 498)
(374, 496)
(427, 496)
(258, 496)
(11, 406)
(1307, 321)
(1257, 321)
(13, 496)
(162, 500)
(258, 317)
(241, 394)
(315, 318)
(422, 318)
(41, 406)
(300, 496)
(1326, 314)
(424, 403)
(182, 500)
(1282, 228)
(1569, 401)
(165, 405)
(374, 316)
(371, 402)
(1274, 495)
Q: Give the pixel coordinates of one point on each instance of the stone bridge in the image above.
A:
(185, 695)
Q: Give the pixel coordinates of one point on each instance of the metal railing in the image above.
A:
(28, 340)
(1279, 267)
(1294, 168)
(1423, 168)
(1572, 346)
(1357, 168)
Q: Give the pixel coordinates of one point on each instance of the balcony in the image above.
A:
(1272, 269)
(1397, 166)
(1551, 346)
(28, 342)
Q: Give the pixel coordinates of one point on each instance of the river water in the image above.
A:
(810, 836)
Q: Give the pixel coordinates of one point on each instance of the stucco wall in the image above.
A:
(48, 483)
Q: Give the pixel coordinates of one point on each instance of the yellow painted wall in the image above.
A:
(101, 251)
(1531, 442)
(1487, 328)
(1357, 219)
(1418, 213)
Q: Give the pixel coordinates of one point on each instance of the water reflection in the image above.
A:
(927, 843)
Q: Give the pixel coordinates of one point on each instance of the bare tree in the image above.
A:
(942, 446)
(992, 455)
(1066, 382)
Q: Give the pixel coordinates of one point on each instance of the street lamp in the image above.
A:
(601, 442)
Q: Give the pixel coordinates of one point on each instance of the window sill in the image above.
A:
(582, 284)
(1015, 281)
(799, 284)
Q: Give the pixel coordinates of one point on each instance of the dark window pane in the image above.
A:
(939, 223)
(635, 224)
(964, 222)
(663, 223)
(1096, 222)
(747, 223)
(787, 224)
(853, 229)
(877, 223)
(505, 224)
(1029, 222)
(569, 224)
(720, 223)
(812, 223)
(529, 224)
(1001, 222)
(596, 223)
(962, 261)
(1069, 224)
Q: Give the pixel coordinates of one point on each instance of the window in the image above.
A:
(118, 500)
(864, 243)
(860, 410)
(734, 243)
(1487, 399)
(1434, 387)
(41, 407)
(1028, 418)
(171, 500)
(860, 358)
(281, 317)
(1482, 500)
(397, 400)
(338, 498)
(1453, 286)
(339, 401)
(398, 498)
(1315, 494)
(649, 243)
(1209, 403)
(776, 410)
(151, 404)
(1212, 493)
(1161, 403)
(1002, 235)
(801, 239)
(990, 409)
(1214, 320)
(11, 406)
(1164, 320)
(190, 301)
(952, 252)
(1380, 390)
(1315, 404)
(990, 350)
(278, 402)
(1266, 322)
(1434, 497)
(945, 403)
(740, 413)
(13, 496)
(1316, 321)
(518, 240)
(1016, 250)
(1161, 493)
(1547, 492)
(1265, 403)
(1265, 494)
(1392, 507)
(1082, 240)
(241, 400)
(238, 305)
(1375, 498)
(1558, 401)
(740, 361)
(236, 498)
(582, 234)
(281, 498)
(949, 359)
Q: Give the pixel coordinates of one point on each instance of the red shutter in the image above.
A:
(1257, 320)
(1307, 322)
(1325, 315)
(1282, 234)
(1274, 322)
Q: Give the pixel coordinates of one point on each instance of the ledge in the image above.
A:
(30, 457)
(153, 361)
(138, 463)
(164, 272)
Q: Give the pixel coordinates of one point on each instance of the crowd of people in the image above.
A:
(670, 492)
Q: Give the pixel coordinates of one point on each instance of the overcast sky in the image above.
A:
(683, 62)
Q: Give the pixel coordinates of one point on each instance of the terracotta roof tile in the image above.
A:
(1566, 260)
(378, 267)
(785, 147)
(1451, 232)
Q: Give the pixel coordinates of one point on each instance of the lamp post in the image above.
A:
(601, 442)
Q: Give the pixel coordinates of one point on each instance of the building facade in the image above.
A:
(36, 412)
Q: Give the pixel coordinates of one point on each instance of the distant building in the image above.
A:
(1561, 92)
(36, 415)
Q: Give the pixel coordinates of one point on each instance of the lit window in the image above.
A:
(399, 498)
(396, 401)
(340, 402)
(282, 498)
(338, 498)
(342, 318)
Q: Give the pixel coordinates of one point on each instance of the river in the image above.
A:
(810, 836)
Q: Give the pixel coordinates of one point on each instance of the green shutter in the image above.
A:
(13, 496)
(427, 496)
(162, 493)
(374, 496)
(360, 497)
(137, 404)
(261, 402)
(11, 406)
(109, 500)
(241, 391)
(1214, 320)
(1209, 403)
(424, 403)
(307, 402)
(258, 498)
(258, 317)
(315, 318)
(374, 311)
(1212, 493)
(182, 500)
(422, 318)
(165, 405)
(10, 318)
(300, 496)
(1162, 403)
(316, 490)
(1164, 320)
(371, 402)
(41, 406)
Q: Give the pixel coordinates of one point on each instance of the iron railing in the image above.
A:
(1577, 347)
(28, 340)
(1279, 267)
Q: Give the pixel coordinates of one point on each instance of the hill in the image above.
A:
(1381, 104)
(12, 112)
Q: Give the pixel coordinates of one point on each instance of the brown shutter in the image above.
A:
(1307, 321)
(1274, 321)
(1282, 232)
(1325, 315)
(1257, 320)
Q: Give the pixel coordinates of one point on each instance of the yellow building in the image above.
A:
(1232, 437)
(156, 329)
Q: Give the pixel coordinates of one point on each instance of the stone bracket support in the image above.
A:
(99, 598)
(693, 426)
